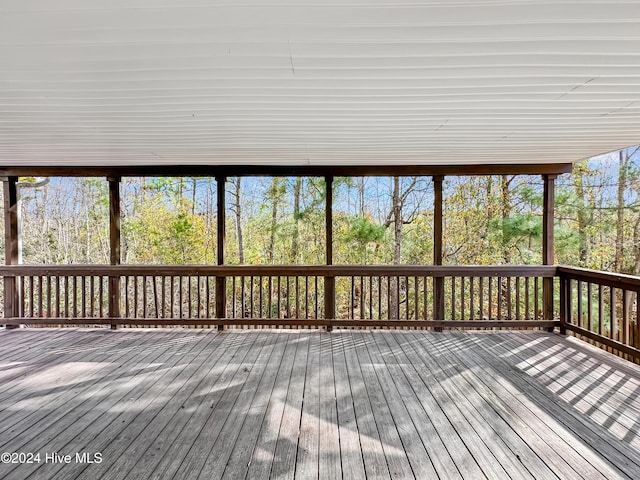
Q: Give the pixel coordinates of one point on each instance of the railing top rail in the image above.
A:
(283, 270)
(618, 280)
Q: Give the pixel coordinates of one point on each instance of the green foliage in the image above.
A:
(487, 220)
(160, 234)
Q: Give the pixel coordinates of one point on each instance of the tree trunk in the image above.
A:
(194, 195)
(397, 221)
(506, 213)
(295, 242)
(582, 218)
(636, 247)
(396, 211)
(275, 200)
(238, 219)
(622, 184)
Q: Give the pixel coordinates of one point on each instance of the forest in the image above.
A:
(488, 220)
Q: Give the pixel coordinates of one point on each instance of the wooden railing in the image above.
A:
(602, 307)
(598, 306)
(337, 295)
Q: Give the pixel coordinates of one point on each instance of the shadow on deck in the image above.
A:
(175, 403)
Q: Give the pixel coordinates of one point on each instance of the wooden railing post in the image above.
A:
(438, 282)
(221, 284)
(11, 247)
(114, 246)
(329, 282)
(565, 307)
(547, 243)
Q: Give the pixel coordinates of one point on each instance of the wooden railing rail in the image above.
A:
(476, 296)
(602, 307)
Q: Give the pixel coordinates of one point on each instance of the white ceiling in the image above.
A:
(95, 82)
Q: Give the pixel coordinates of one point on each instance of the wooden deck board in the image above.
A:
(581, 430)
(545, 434)
(184, 403)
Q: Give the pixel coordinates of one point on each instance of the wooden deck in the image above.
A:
(184, 404)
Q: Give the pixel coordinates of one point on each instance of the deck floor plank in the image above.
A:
(375, 462)
(201, 450)
(278, 403)
(47, 359)
(237, 464)
(286, 450)
(264, 453)
(545, 435)
(61, 406)
(106, 433)
(307, 457)
(416, 452)
(395, 450)
(600, 443)
(329, 460)
(604, 394)
(432, 412)
(189, 423)
(453, 409)
(464, 380)
(154, 419)
(352, 463)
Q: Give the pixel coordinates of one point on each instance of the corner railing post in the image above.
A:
(11, 247)
(564, 303)
(547, 298)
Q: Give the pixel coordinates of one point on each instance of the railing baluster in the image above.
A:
(600, 309)
(199, 296)
(612, 313)
(172, 295)
(406, 296)
(453, 298)
(481, 300)
(471, 299)
(536, 298)
(306, 297)
(425, 302)
(507, 294)
(590, 325)
(101, 296)
(518, 299)
(251, 301)
(625, 317)
(31, 296)
(189, 297)
(297, 296)
(288, 291)
(317, 303)
(379, 297)
(363, 298)
(233, 297)
(269, 309)
(490, 295)
(500, 297)
(416, 287)
(371, 296)
(579, 299)
(462, 317)
(527, 312)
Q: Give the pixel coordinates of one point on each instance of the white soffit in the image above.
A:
(145, 82)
